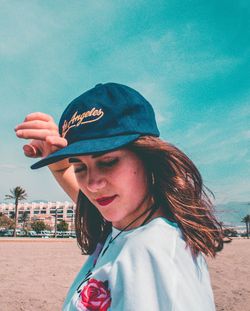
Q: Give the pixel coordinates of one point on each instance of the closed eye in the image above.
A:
(79, 169)
(108, 163)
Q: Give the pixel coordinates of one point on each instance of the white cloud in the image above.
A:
(219, 150)
(27, 26)
(199, 135)
(231, 191)
(183, 56)
(246, 134)
(159, 98)
(9, 166)
(241, 111)
(224, 142)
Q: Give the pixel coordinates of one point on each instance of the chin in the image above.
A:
(112, 218)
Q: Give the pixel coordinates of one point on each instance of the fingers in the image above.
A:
(35, 149)
(43, 131)
(38, 116)
(56, 141)
(37, 124)
(36, 134)
(31, 151)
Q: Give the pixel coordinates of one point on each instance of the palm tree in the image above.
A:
(246, 220)
(17, 194)
(25, 218)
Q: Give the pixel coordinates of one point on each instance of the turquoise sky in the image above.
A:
(190, 59)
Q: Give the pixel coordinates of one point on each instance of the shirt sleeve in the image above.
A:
(149, 276)
(143, 279)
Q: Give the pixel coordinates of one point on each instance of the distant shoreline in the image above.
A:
(30, 239)
(50, 240)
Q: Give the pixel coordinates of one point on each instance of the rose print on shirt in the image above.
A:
(95, 296)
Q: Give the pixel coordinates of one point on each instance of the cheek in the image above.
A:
(134, 183)
(80, 181)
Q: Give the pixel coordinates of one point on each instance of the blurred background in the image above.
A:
(190, 59)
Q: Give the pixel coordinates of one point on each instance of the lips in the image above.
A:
(105, 200)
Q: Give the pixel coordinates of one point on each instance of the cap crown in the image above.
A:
(107, 110)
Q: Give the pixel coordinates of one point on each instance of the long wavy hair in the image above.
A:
(178, 189)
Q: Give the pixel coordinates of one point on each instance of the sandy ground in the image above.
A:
(230, 275)
(35, 274)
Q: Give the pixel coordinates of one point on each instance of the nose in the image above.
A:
(95, 181)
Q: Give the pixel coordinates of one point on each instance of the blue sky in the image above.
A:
(190, 59)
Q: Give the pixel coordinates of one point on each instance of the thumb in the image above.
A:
(57, 141)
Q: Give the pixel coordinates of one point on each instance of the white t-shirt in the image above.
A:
(148, 268)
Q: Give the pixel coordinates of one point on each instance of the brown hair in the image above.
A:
(178, 189)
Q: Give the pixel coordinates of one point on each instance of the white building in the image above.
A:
(45, 211)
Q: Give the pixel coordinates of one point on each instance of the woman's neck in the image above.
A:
(141, 217)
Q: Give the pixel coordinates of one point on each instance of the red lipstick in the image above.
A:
(105, 200)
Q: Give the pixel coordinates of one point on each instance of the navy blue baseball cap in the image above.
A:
(104, 118)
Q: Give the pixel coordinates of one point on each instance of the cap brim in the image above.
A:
(84, 147)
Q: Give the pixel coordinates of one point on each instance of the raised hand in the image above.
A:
(43, 131)
(45, 139)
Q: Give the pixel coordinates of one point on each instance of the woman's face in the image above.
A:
(116, 183)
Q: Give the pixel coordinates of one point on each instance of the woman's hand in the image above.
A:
(43, 131)
(45, 139)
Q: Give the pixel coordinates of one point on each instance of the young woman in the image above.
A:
(142, 213)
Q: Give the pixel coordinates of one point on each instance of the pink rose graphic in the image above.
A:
(95, 296)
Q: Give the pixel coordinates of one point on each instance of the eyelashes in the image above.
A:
(108, 163)
(79, 170)
(100, 164)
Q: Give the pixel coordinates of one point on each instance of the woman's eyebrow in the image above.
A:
(96, 155)
(99, 154)
(74, 160)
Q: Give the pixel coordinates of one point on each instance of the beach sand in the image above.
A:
(35, 274)
(230, 274)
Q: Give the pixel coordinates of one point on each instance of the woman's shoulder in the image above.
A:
(160, 245)
(157, 227)
(158, 236)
